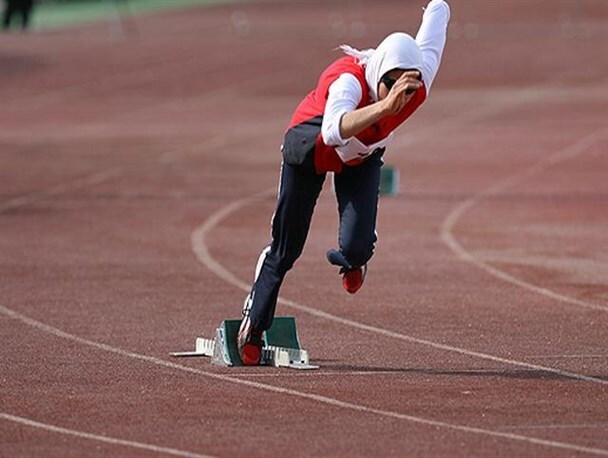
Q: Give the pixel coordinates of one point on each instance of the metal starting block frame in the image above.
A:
(389, 181)
(282, 346)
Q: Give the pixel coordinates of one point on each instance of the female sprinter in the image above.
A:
(342, 126)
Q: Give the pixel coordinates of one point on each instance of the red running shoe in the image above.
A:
(250, 342)
(353, 279)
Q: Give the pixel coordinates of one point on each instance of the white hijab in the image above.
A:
(398, 50)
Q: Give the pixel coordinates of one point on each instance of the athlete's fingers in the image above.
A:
(409, 81)
(411, 74)
(402, 90)
(413, 87)
(402, 99)
(408, 86)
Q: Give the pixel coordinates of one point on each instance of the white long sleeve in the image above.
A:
(344, 95)
(431, 38)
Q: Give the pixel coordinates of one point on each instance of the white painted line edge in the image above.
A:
(447, 228)
(199, 246)
(300, 394)
(99, 438)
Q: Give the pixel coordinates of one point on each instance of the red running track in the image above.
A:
(136, 187)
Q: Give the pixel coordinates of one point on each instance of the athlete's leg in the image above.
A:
(357, 193)
(299, 189)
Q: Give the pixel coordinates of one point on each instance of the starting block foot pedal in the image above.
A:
(282, 346)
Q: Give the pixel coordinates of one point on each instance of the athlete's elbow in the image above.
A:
(332, 131)
(326, 133)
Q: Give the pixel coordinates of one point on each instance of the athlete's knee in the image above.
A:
(284, 259)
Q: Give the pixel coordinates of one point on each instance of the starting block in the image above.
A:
(281, 349)
(389, 181)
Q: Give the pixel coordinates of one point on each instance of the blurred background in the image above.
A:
(51, 14)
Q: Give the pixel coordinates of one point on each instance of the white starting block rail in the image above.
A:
(222, 350)
(202, 347)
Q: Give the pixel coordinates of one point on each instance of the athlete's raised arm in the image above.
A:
(431, 38)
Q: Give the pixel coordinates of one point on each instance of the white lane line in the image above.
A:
(288, 373)
(578, 426)
(81, 182)
(102, 176)
(490, 103)
(300, 394)
(502, 101)
(447, 228)
(569, 356)
(388, 372)
(199, 246)
(318, 398)
(97, 437)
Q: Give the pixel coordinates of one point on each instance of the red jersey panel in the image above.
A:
(313, 106)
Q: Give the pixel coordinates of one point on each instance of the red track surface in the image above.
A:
(481, 329)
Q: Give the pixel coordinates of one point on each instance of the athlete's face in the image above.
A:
(387, 81)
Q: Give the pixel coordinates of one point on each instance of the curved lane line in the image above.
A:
(104, 175)
(199, 246)
(76, 183)
(96, 437)
(456, 214)
(299, 394)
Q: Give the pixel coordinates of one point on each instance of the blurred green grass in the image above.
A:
(54, 14)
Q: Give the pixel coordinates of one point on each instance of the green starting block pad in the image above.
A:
(389, 181)
(282, 346)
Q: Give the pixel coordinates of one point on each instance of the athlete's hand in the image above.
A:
(356, 121)
(402, 91)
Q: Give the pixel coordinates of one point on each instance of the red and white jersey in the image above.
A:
(342, 88)
(313, 106)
